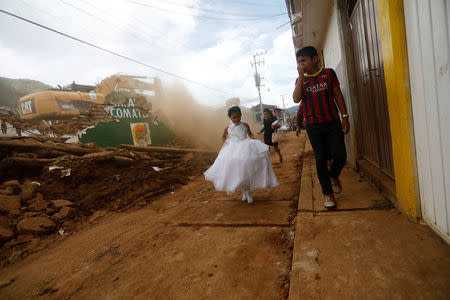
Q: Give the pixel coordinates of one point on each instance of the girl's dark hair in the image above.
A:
(268, 111)
(234, 109)
(307, 51)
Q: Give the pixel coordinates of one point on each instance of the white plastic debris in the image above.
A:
(35, 182)
(61, 231)
(157, 169)
(76, 138)
(65, 173)
(51, 168)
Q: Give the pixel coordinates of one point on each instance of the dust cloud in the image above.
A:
(198, 125)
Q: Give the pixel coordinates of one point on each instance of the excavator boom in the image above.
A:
(119, 81)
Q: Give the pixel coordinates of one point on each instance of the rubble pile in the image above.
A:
(48, 187)
(8, 116)
(97, 112)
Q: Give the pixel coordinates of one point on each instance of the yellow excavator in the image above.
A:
(74, 99)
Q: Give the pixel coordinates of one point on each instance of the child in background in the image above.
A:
(270, 125)
(243, 162)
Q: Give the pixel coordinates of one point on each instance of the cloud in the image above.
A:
(217, 54)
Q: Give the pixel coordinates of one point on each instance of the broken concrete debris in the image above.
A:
(28, 191)
(8, 203)
(36, 225)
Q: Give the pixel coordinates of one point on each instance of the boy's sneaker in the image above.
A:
(336, 184)
(329, 201)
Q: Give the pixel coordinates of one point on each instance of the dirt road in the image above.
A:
(193, 244)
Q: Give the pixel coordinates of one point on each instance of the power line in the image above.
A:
(260, 4)
(106, 22)
(89, 31)
(204, 17)
(131, 25)
(115, 53)
(253, 3)
(52, 16)
(284, 24)
(215, 11)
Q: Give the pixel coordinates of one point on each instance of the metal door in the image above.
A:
(428, 38)
(375, 143)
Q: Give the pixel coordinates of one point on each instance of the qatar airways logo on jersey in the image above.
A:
(317, 88)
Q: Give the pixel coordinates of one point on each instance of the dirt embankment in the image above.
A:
(50, 188)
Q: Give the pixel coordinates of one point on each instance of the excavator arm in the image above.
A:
(120, 81)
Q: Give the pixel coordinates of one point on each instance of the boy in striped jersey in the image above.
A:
(322, 100)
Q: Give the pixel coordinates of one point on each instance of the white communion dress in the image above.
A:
(242, 163)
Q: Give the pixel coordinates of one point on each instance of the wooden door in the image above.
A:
(375, 143)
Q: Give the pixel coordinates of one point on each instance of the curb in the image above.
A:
(304, 265)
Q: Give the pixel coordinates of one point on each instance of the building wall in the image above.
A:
(335, 56)
(395, 61)
(427, 30)
(332, 47)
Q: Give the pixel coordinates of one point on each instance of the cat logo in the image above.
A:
(27, 107)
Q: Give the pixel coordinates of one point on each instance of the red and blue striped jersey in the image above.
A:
(318, 98)
(300, 114)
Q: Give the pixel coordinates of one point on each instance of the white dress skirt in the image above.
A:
(242, 163)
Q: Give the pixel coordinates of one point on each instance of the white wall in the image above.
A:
(331, 46)
(428, 37)
(333, 55)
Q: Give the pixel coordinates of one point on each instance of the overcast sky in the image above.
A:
(189, 38)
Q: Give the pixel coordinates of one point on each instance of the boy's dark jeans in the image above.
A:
(327, 141)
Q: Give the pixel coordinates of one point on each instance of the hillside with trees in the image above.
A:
(11, 90)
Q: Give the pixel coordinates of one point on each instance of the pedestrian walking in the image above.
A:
(271, 124)
(243, 163)
(318, 89)
(4, 127)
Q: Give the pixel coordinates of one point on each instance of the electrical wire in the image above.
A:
(204, 17)
(115, 53)
(132, 25)
(284, 24)
(253, 3)
(109, 23)
(215, 11)
(53, 16)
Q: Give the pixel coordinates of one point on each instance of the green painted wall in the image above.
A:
(111, 134)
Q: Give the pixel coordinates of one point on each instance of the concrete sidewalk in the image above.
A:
(363, 249)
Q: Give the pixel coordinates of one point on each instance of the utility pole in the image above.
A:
(258, 84)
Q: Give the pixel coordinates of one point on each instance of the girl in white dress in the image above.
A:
(243, 162)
